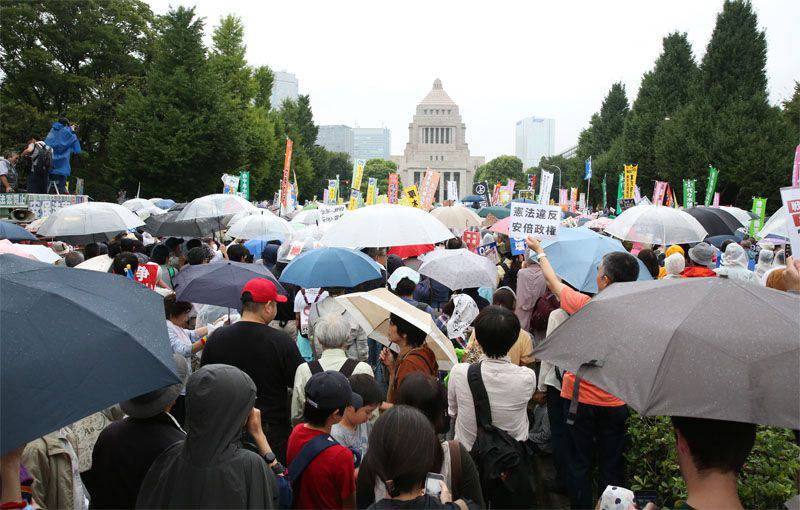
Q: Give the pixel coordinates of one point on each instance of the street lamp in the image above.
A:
(559, 174)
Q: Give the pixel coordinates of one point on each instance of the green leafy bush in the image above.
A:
(767, 480)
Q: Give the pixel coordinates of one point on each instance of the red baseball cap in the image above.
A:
(262, 290)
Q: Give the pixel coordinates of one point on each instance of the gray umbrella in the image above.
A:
(163, 225)
(219, 283)
(74, 342)
(701, 347)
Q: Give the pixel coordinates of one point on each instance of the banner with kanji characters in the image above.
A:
(471, 238)
(716, 199)
(658, 192)
(496, 194)
(244, 184)
(330, 213)
(452, 191)
(711, 185)
(791, 200)
(371, 191)
(760, 210)
(287, 163)
(539, 220)
(358, 172)
(620, 193)
(394, 183)
(354, 196)
(411, 193)
(573, 199)
(430, 183)
(630, 180)
(545, 185)
(689, 193)
(147, 274)
(333, 187)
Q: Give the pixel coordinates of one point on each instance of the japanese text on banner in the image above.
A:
(689, 192)
(330, 213)
(394, 182)
(760, 210)
(452, 191)
(333, 188)
(412, 194)
(658, 192)
(358, 172)
(354, 196)
(472, 239)
(489, 251)
(287, 162)
(371, 189)
(545, 185)
(538, 220)
(791, 200)
(713, 173)
(430, 183)
(630, 180)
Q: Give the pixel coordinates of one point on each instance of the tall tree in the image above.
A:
(500, 169)
(606, 125)
(228, 60)
(264, 79)
(791, 109)
(380, 170)
(299, 121)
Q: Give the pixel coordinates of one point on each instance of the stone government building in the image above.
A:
(437, 139)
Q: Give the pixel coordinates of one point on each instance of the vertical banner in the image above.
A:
(326, 197)
(452, 191)
(482, 189)
(588, 169)
(573, 199)
(371, 190)
(563, 198)
(760, 210)
(358, 173)
(637, 195)
(630, 181)
(796, 168)
(668, 197)
(412, 195)
(333, 191)
(510, 187)
(354, 196)
(287, 163)
(712, 184)
(689, 192)
(791, 201)
(658, 192)
(394, 182)
(620, 193)
(244, 184)
(582, 202)
(605, 193)
(532, 180)
(496, 194)
(430, 183)
(716, 199)
(78, 186)
(545, 185)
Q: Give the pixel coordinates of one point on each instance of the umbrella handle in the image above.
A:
(576, 387)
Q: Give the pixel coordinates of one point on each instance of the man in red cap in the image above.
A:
(269, 356)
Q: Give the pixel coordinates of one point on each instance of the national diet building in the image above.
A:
(437, 140)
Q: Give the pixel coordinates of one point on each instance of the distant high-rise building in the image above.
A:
(371, 143)
(535, 138)
(283, 87)
(337, 138)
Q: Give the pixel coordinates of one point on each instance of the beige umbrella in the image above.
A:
(457, 217)
(372, 309)
(101, 263)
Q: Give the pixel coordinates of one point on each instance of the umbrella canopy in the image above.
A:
(716, 221)
(10, 248)
(598, 223)
(219, 283)
(215, 206)
(775, 225)
(36, 252)
(473, 198)
(655, 225)
(33, 226)
(14, 232)
(257, 226)
(306, 217)
(372, 309)
(457, 217)
(665, 351)
(576, 253)
(134, 204)
(330, 267)
(100, 263)
(459, 269)
(502, 226)
(163, 203)
(256, 246)
(717, 241)
(250, 212)
(406, 252)
(744, 217)
(166, 224)
(89, 222)
(499, 212)
(108, 344)
(385, 225)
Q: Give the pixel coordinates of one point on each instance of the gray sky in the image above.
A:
(369, 63)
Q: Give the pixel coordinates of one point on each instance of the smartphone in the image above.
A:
(642, 498)
(433, 484)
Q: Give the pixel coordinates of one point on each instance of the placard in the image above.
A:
(791, 200)
(412, 194)
(658, 192)
(430, 183)
(517, 246)
(539, 220)
(627, 203)
(489, 251)
(630, 180)
(472, 239)
(354, 196)
(330, 213)
(545, 185)
(482, 189)
(371, 189)
(394, 182)
(147, 275)
(452, 191)
(358, 172)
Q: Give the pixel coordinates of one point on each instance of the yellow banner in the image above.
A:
(358, 172)
(412, 194)
(630, 180)
(354, 196)
(371, 187)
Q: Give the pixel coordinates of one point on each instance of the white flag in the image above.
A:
(545, 185)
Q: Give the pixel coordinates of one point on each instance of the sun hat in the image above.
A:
(702, 254)
(154, 402)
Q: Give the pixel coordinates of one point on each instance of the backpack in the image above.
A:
(346, 369)
(41, 159)
(544, 306)
(307, 454)
(506, 472)
(306, 311)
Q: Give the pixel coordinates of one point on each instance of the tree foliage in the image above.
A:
(380, 170)
(500, 169)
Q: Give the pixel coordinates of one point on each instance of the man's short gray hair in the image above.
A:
(331, 331)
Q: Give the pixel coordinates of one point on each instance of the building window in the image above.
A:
(416, 178)
(448, 112)
(447, 137)
(457, 178)
(436, 135)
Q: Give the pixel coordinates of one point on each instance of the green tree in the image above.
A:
(791, 109)
(380, 170)
(179, 132)
(264, 79)
(299, 121)
(500, 169)
(228, 61)
(606, 125)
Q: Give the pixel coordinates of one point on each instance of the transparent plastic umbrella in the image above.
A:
(459, 269)
(656, 225)
(775, 225)
(215, 206)
(744, 217)
(262, 225)
(306, 217)
(385, 225)
(90, 221)
(134, 204)
(457, 217)
(250, 212)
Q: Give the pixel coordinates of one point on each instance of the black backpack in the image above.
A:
(504, 464)
(41, 159)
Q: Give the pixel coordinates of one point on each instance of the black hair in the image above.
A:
(403, 449)
(405, 287)
(172, 243)
(505, 298)
(73, 258)
(127, 244)
(454, 243)
(138, 246)
(367, 388)
(620, 266)
(113, 249)
(717, 444)
(196, 256)
(102, 248)
(496, 330)
(160, 254)
(193, 243)
(449, 307)
(91, 250)
(237, 252)
(374, 253)
(317, 416)
(63, 119)
(725, 244)
(122, 260)
(425, 393)
(650, 261)
(173, 307)
(415, 337)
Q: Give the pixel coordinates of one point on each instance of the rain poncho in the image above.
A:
(464, 312)
(674, 266)
(64, 142)
(734, 265)
(765, 258)
(210, 469)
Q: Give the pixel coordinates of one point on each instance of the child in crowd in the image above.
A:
(354, 428)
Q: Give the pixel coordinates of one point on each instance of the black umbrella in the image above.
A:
(163, 225)
(219, 283)
(14, 232)
(73, 343)
(716, 221)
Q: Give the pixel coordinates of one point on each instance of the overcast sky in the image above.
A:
(369, 63)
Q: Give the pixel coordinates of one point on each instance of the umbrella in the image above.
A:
(716, 221)
(257, 226)
(501, 227)
(163, 203)
(256, 246)
(8, 247)
(655, 225)
(598, 223)
(219, 283)
(520, 201)
(371, 310)
(330, 267)
(33, 226)
(571, 214)
(662, 348)
(306, 217)
(473, 198)
(134, 204)
(743, 216)
(37, 252)
(89, 222)
(150, 210)
(407, 252)
(250, 212)
(775, 225)
(100, 263)
(576, 253)
(457, 217)
(99, 339)
(459, 269)
(166, 224)
(499, 212)
(14, 232)
(385, 225)
(215, 206)
(717, 241)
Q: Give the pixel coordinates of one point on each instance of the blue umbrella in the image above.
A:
(14, 232)
(164, 203)
(73, 343)
(576, 253)
(522, 200)
(330, 267)
(256, 246)
(219, 283)
(718, 240)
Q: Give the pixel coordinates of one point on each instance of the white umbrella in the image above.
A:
(656, 225)
(741, 215)
(457, 217)
(135, 204)
(101, 263)
(371, 310)
(385, 225)
(89, 220)
(254, 227)
(459, 269)
(307, 217)
(150, 210)
(214, 206)
(31, 251)
(250, 212)
(33, 226)
(775, 225)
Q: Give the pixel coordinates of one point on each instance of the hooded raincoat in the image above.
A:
(734, 265)
(210, 469)
(64, 142)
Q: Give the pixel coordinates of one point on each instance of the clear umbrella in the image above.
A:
(87, 222)
(743, 216)
(385, 225)
(457, 217)
(459, 269)
(250, 212)
(135, 204)
(656, 225)
(306, 217)
(775, 225)
(150, 210)
(215, 206)
(252, 227)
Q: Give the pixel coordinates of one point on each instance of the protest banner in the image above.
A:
(287, 162)
(668, 197)
(588, 174)
(563, 198)
(354, 196)
(325, 196)
(510, 187)
(482, 189)
(689, 192)
(637, 194)
(760, 210)
(78, 186)
(630, 180)
(371, 190)
(244, 184)
(452, 191)
(711, 185)
(791, 200)
(620, 193)
(505, 197)
(627, 203)
(796, 167)
(489, 251)
(358, 172)
(411, 193)
(330, 213)
(147, 275)
(545, 185)
(472, 239)
(582, 202)
(517, 246)
(573, 199)
(394, 182)
(658, 192)
(430, 183)
(496, 194)
(538, 220)
(230, 183)
(716, 199)
(531, 181)
(605, 192)
(333, 191)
